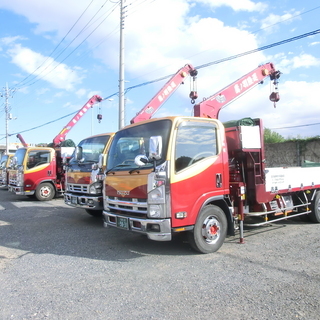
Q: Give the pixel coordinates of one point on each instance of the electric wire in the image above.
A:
(199, 67)
(57, 46)
(80, 32)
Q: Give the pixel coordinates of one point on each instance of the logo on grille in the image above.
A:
(123, 193)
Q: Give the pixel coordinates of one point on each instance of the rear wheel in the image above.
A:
(314, 215)
(94, 213)
(45, 192)
(210, 230)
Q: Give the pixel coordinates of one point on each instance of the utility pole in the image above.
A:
(7, 109)
(121, 67)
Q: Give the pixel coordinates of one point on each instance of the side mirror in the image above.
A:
(78, 153)
(13, 161)
(101, 160)
(155, 148)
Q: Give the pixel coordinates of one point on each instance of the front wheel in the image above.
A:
(94, 213)
(314, 215)
(210, 230)
(45, 192)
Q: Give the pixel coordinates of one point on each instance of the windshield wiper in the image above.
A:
(118, 165)
(134, 170)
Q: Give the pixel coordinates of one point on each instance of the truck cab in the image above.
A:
(33, 172)
(4, 164)
(83, 184)
(157, 189)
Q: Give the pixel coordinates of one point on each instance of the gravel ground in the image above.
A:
(58, 262)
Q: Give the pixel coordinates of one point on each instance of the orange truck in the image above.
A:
(200, 176)
(83, 183)
(39, 171)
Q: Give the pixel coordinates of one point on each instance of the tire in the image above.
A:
(45, 192)
(209, 231)
(314, 215)
(94, 213)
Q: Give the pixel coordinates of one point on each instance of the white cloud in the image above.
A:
(10, 40)
(305, 60)
(42, 91)
(302, 61)
(81, 92)
(236, 5)
(270, 22)
(34, 63)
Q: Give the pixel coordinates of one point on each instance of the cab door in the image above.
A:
(199, 167)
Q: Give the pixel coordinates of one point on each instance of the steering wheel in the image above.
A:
(195, 158)
(39, 163)
(128, 161)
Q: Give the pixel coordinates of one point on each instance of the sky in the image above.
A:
(55, 55)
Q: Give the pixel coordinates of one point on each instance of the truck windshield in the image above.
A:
(91, 148)
(133, 141)
(3, 161)
(19, 155)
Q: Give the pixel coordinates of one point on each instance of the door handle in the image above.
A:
(218, 180)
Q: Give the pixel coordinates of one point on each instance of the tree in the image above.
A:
(272, 137)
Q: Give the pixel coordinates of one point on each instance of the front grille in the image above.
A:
(83, 188)
(130, 205)
(13, 182)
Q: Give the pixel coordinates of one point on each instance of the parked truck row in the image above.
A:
(197, 175)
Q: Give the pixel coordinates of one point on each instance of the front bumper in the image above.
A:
(144, 226)
(20, 191)
(93, 202)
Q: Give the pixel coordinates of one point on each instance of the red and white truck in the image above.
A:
(39, 171)
(84, 172)
(197, 175)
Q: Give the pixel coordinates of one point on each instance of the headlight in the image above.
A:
(20, 178)
(95, 188)
(155, 211)
(157, 195)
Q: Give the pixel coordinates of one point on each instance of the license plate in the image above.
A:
(74, 200)
(122, 223)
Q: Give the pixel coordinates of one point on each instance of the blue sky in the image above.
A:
(55, 55)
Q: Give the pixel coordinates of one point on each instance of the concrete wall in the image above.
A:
(292, 153)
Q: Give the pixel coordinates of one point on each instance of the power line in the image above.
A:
(234, 57)
(302, 125)
(199, 67)
(37, 78)
(57, 46)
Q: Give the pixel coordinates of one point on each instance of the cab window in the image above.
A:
(195, 141)
(36, 158)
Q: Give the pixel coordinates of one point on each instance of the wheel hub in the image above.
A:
(211, 229)
(45, 192)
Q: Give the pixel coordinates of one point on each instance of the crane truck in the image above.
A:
(39, 171)
(199, 176)
(83, 186)
(84, 172)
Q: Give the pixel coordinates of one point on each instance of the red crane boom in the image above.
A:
(62, 134)
(166, 91)
(210, 107)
